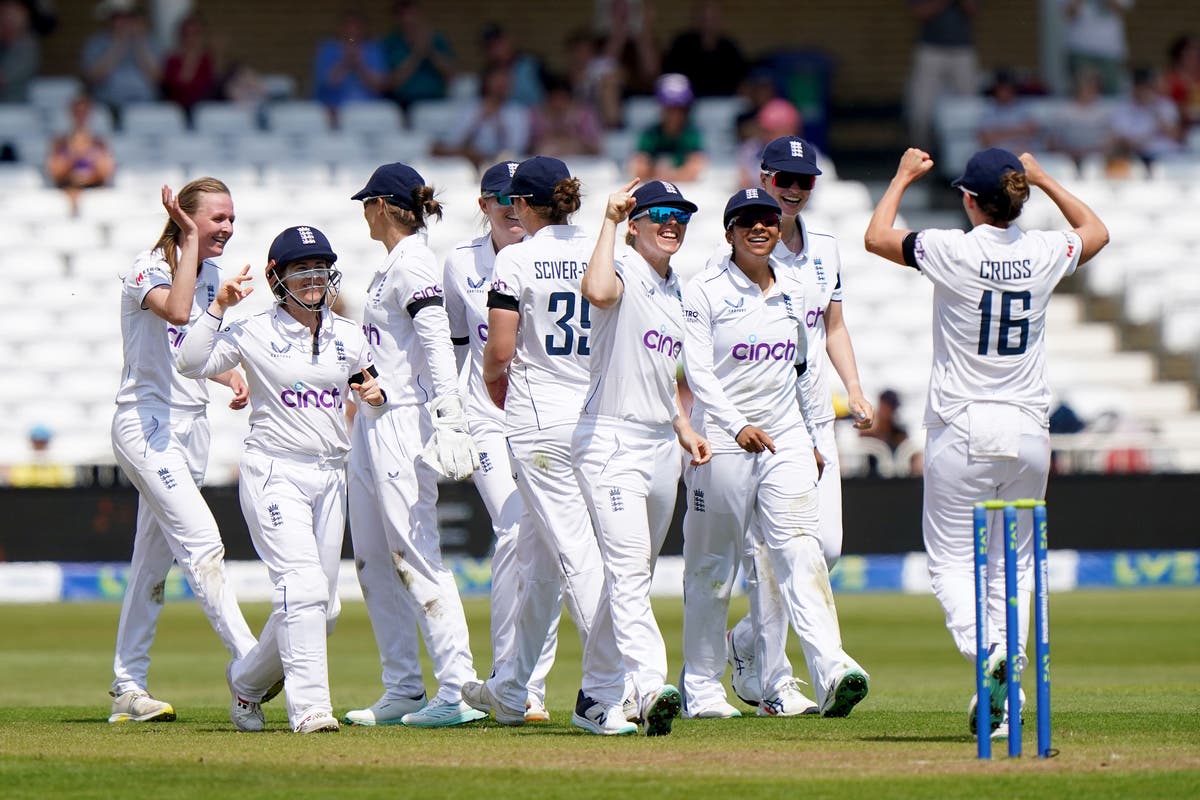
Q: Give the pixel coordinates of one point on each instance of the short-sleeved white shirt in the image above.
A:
(149, 342)
(636, 345)
(468, 277)
(820, 267)
(298, 399)
(740, 352)
(408, 280)
(992, 287)
(548, 377)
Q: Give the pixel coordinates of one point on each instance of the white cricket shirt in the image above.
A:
(991, 290)
(408, 282)
(820, 266)
(539, 278)
(298, 399)
(636, 345)
(149, 342)
(740, 353)
(468, 278)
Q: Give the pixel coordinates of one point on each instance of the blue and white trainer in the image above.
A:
(743, 673)
(600, 719)
(385, 711)
(442, 714)
(787, 701)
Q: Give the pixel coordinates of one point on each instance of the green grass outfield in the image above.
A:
(1126, 683)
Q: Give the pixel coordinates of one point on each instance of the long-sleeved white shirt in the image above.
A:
(468, 277)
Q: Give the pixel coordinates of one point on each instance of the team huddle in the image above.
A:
(546, 365)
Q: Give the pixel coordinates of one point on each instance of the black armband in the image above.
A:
(801, 368)
(910, 250)
(361, 376)
(460, 340)
(499, 300)
(416, 305)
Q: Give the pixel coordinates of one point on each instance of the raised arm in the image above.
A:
(600, 285)
(882, 237)
(201, 355)
(1091, 231)
(175, 304)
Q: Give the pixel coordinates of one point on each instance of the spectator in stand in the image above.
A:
(420, 59)
(19, 52)
(191, 72)
(1183, 79)
(594, 78)
(711, 60)
(1147, 124)
(40, 470)
(350, 66)
(1008, 122)
(944, 60)
(672, 149)
(887, 429)
(1080, 128)
(758, 89)
(496, 130)
(79, 159)
(120, 63)
(776, 119)
(629, 43)
(1094, 35)
(564, 125)
(525, 69)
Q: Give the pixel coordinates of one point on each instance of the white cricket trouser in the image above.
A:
(295, 507)
(774, 668)
(779, 490)
(164, 453)
(560, 547)
(398, 552)
(496, 486)
(954, 482)
(629, 474)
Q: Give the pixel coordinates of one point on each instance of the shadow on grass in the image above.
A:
(916, 739)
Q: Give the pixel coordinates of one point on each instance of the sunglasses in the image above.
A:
(769, 219)
(784, 180)
(660, 215)
(501, 199)
(366, 200)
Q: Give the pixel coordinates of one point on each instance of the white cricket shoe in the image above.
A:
(629, 708)
(137, 705)
(600, 719)
(787, 701)
(317, 722)
(442, 714)
(246, 715)
(477, 695)
(743, 672)
(385, 711)
(845, 693)
(662, 708)
(717, 710)
(535, 710)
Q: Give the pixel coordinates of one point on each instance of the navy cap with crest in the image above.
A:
(660, 193)
(984, 172)
(394, 182)
(496, 177)
(535, 179)
(300, 243)
(748, 198)
(790, 154)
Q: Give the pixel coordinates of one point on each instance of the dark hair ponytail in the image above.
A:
(1014, 188)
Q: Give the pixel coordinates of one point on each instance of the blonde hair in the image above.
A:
(565, 202)
(189, 202)
(417, 217)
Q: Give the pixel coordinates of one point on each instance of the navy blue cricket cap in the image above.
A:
(496, 177)
(748, 198)
(661, 193)
(394, 183)
(535, 179)
(790, 154)
(985, 170)
(300, 243)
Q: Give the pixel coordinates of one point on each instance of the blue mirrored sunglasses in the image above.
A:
(501, 199)
(661, 214)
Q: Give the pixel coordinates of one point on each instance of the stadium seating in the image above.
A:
(301, 169)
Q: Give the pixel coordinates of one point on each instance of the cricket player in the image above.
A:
(987, 418)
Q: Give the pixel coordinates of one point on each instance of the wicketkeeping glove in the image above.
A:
(451, 450)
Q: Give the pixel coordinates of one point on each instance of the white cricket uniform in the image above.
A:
(548, 377)
(160, 438)
(989, 402)
(627, 460)
(292, 486)
(819, 265)
(740, 351)
(468, 277)
(393, 493)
